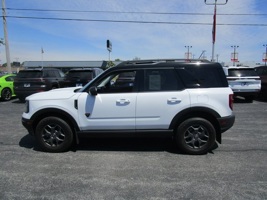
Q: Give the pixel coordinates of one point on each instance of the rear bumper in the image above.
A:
(226, 122)
(247, 92)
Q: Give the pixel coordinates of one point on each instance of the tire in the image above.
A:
(6, 94)
(195, 136)
(54, 135)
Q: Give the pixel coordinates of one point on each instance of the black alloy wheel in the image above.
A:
(6, 94)
(54, 135)
(195, 136)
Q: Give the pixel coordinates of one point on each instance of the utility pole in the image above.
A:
(6, 38)
(187, 54)
(234, 57)
(214, 25)
(217, 56)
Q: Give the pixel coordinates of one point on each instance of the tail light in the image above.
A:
(231, 101)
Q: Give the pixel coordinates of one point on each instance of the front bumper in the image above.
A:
(28, 124)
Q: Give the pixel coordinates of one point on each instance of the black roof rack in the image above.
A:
(154, 61)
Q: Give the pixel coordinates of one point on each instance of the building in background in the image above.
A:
(66, 65)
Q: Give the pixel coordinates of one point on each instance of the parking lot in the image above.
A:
(136, 168)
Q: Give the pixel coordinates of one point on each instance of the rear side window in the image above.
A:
(203, 77)
(161, 80)
(51, 74)
(84, 75)
(242, 72)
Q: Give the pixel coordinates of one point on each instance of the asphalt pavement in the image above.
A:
(135, 168)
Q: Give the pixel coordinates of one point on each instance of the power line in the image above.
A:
(133, 21)
(134, 12)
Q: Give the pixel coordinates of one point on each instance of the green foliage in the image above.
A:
(110, 64)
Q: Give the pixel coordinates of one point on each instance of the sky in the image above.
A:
(69, 30)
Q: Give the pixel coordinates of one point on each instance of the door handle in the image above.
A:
(123, 101)
(174, 100)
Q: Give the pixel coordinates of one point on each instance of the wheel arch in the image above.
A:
(55, 112)
(201, 112)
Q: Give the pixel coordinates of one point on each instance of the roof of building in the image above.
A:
(27, 64)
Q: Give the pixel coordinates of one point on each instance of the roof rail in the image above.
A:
(154, 61)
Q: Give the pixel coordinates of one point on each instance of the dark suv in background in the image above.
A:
(262, 72)
(80, 76)
(30, 81)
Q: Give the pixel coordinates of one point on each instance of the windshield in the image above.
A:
(86, 86)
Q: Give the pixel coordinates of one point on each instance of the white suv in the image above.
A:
(244, 81)
(187, 100)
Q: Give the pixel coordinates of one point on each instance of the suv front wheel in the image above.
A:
(195, 136)
(54, 134)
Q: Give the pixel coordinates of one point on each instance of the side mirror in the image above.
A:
(93, 91)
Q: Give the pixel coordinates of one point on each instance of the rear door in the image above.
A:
(162, 98)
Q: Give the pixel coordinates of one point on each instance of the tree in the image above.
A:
(110, 64)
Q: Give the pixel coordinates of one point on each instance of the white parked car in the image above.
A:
(189, 101)
(244, 81)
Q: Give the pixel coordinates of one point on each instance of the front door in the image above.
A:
(114, 105)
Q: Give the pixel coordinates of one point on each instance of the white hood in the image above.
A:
(61, 93)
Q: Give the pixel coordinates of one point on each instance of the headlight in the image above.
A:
(27, 106)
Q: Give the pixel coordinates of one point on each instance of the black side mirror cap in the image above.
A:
(93, 91)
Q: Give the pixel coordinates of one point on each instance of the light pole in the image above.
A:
(187, 56)
(265, 57)
(235, 57)
(214, 25)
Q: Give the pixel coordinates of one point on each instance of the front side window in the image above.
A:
(118, 82)
(10, 78)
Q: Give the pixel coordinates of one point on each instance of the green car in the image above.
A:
(6, 86)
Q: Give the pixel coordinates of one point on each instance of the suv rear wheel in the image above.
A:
(195, 136)
(54, 134)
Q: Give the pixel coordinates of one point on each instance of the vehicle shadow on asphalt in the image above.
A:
(243, 100)
(126, 144)
(28, 142)
(115, 144)
(17, 101)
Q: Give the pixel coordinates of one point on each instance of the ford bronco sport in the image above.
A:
(189, 101)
